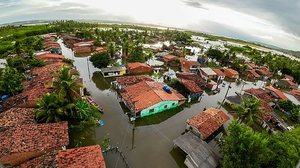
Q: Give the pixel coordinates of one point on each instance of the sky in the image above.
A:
(274, 22)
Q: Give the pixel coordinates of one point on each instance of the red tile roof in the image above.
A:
(33, 138)
(229, 71)
(191, 76)
(252, 65)
(260, 93)
(139, 68)
(146, 94)
(190, 85)
(295, 93)
(290, 83)
(49, 56)
(34, 88)
(208, 121)
(169, 58)
(219, 72)
(91, 42)
(45, 159)
(82, 50)
(100, 49)
(90, 156)
(186, 65)
(252, 73)
(277, 92)
(17, 116)
(125, 81)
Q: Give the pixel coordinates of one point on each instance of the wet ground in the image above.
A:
(152, 144)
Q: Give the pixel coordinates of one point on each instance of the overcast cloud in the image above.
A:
(275, 22)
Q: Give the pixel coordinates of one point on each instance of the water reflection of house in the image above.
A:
(207, 123)
(147, 98)
(113, 71)
(198, 153)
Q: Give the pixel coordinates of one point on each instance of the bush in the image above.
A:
(100, 60)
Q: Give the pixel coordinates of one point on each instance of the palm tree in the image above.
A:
(53, 107)
(111, 49)
(84, 110)
(67, 84)
(249, 111)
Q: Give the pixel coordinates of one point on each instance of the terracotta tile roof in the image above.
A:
(90, 156)
(288, 77)
(100, 49)
(83, 49)
(34, 88)
(265, 100)
(190, 85)
(186, 65)
(295, 93)
(91, 42)
(145, 94)
(49, 56)
(231, 71)
(17, 116)
(219, 72)
(252, 73)
(208, 121)
(125, 81)
(290, 83)
(252, 65)
(260, 93)
(33, 138)
(191, 76)
(138, 67)
(46, 160)
(277, 92)
(169, 58)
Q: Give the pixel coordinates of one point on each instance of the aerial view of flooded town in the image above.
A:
(95, 94)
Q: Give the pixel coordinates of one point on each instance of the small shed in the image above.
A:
(199, 153)
(113, 71)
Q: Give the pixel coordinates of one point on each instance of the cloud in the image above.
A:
(270, 21)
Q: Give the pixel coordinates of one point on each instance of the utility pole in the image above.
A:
(87, 61)
(229, 86)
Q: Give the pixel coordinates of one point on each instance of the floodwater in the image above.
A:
(152, 144)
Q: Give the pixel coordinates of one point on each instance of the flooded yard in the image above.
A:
(147, 144)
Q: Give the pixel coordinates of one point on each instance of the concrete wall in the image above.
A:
(159, 107)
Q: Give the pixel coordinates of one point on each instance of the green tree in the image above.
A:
(249, 111)
(137, 54)
(10, 81)
(100, 60)
(111, 47)
(67, 84)
(243, 148)
(53, 107)
(85, 111)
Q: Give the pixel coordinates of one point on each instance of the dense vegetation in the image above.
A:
(100, 60)
(246, 148)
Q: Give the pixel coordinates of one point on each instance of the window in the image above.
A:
(151, 110)
(166, 106)
(173, 104)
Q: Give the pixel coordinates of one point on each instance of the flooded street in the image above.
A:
(152, 144)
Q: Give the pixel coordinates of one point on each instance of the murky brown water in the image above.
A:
(152, 145)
